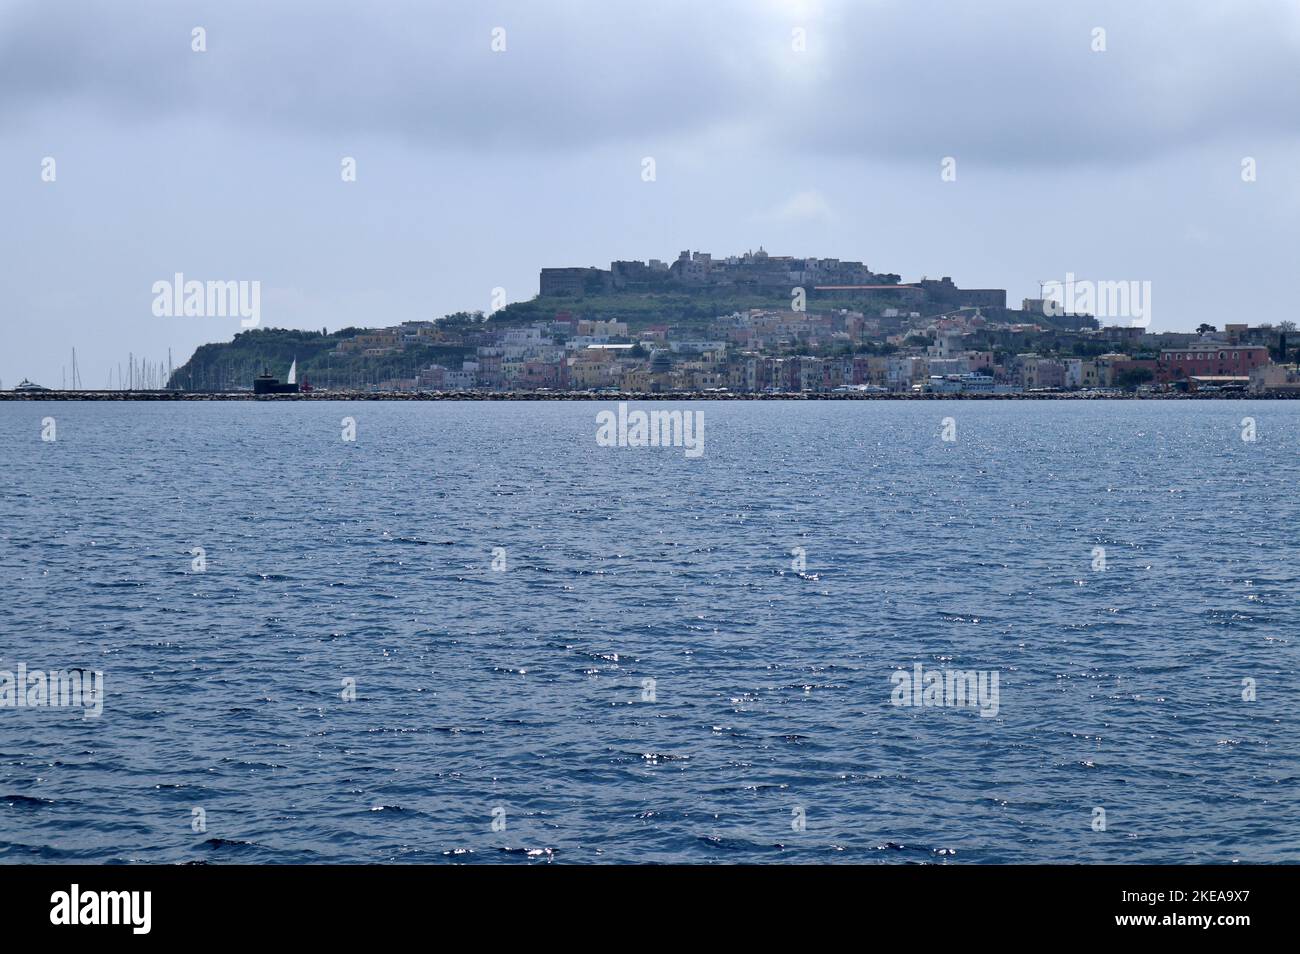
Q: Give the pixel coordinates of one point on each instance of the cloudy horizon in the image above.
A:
(476, 168)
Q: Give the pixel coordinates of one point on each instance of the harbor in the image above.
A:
(621, 396)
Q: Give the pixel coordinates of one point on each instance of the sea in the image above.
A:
(929, 632)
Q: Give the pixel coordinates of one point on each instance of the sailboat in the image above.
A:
(293, 373)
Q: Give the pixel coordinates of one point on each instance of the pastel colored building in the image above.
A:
(1218, 360)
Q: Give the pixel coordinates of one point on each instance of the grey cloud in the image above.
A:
(1020, 83)
(572, 75)
(1008, 83)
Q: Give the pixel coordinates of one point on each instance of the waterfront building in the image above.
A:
(1206, 360)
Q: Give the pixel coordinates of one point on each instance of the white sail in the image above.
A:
(293, 372)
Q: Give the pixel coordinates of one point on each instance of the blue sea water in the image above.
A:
(517, 696)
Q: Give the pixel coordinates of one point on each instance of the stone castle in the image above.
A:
(762, 274)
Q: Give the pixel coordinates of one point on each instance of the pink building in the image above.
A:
(1211, 359)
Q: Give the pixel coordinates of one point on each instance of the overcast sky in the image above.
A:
(476, 168)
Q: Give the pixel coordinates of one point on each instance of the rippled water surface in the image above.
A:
(522, 691)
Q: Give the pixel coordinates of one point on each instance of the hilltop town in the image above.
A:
(759, 323)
